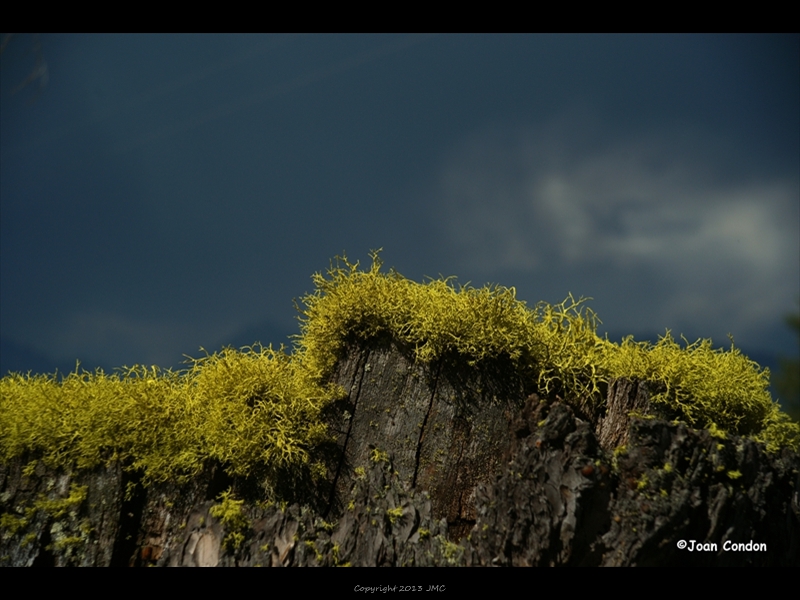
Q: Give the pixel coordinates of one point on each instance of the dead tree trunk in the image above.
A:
(446, 425)
(624, 396)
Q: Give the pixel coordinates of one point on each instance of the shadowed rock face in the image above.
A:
(439, 465)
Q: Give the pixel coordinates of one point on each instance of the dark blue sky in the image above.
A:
(162, 193)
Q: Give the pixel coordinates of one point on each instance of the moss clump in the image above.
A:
(265, 408)
(250, 409)
(258, 409)
(554, 345)
(394, 514)
(229, 513)
(710, 388)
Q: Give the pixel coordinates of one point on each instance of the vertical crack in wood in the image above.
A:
(424, 424)
(354, 393)
(459, 468)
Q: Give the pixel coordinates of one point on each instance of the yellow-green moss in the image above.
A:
(58, 508)
(252, 408)
(10, 524)
(378, 455)
(319, 556)
(229, 513)
(453, 553)
(555, 344)
(67, 533)
(394, 514)
(259, 408)
(711, 388)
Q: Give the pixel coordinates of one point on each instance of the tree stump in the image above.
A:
(446, 424)
(624, 396)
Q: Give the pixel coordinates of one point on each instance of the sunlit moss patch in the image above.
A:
(259, 408)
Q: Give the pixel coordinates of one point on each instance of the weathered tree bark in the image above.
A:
(624, 396)
(446, 425)
(445, 450)
(675, 496)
